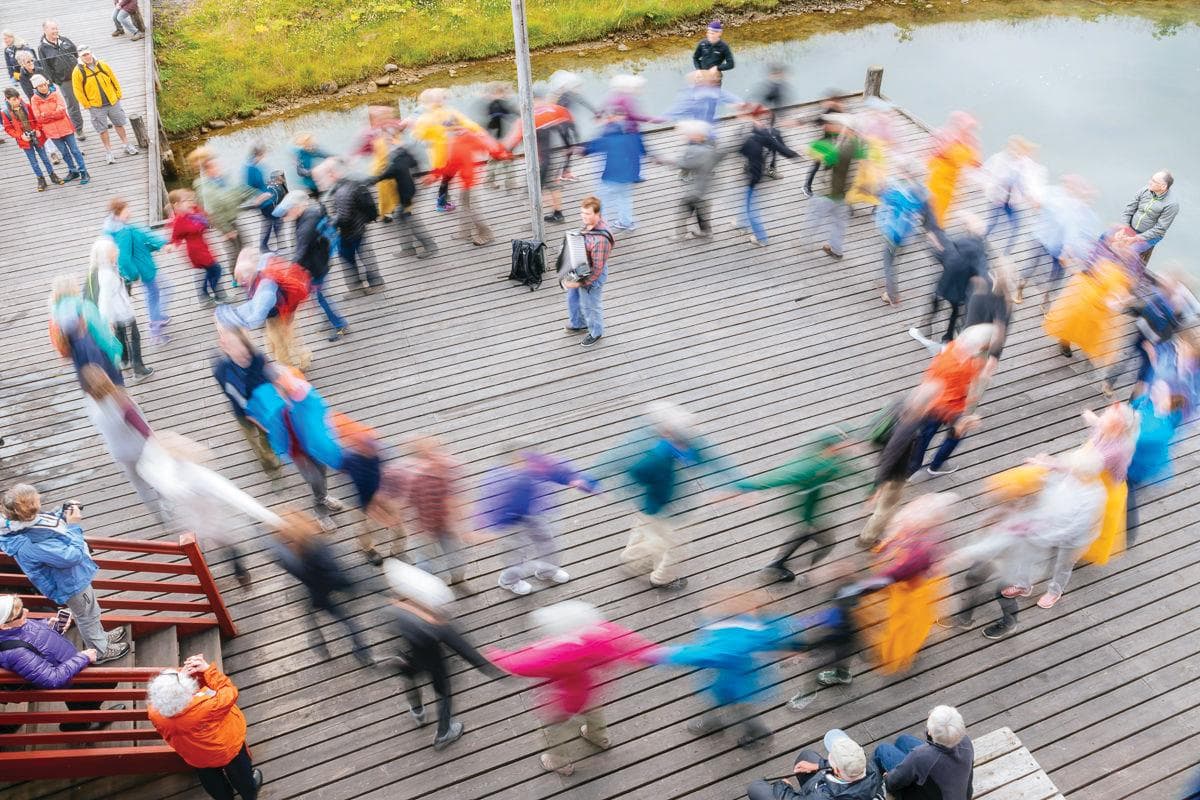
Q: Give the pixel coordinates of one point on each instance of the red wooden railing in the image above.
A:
(211, 608)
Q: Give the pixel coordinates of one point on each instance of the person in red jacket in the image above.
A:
(467, 148)
(188, 225)
(22, 124)
(275, 287)
(194, 710)
(551, 123)
(50, 110)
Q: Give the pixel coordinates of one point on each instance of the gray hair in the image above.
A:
(1167, 177)
(171, 692)
(670, 418)
(945, 726)
(565, 618)
(329, 170)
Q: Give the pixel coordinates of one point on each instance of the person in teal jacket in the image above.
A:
(136, 247)
(1159, 416)
(733, 651)
(652, 461)
(808, 476)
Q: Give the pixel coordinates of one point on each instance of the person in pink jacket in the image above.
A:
(578, 643)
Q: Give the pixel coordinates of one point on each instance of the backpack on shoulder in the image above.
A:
(528, 262)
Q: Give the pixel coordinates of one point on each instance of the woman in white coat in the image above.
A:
(116, 307)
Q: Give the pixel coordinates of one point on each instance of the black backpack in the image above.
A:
(528, 262)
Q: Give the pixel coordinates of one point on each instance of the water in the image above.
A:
(1113, 99)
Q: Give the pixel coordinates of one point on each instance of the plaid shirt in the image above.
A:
(598, 248)
(430, 485)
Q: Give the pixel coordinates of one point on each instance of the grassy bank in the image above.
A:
(218, 58)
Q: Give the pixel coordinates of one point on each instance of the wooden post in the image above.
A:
(192, 550)
(533, 180)
(139, 131)
(874, 82)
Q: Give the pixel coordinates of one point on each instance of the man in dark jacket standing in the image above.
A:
(59, 55)
(353, 208)
(1152, 212)
(940, 768)
(399, 168)
(313, 249)
(712, 52)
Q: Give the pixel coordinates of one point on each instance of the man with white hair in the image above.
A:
(844, 775)
(194, 710)
(420, 619)
(657, 457)
(940, 768)
(1152, 211)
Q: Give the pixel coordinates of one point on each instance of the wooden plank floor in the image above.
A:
(766, 346)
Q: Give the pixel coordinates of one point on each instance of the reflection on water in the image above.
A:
(1113, 99)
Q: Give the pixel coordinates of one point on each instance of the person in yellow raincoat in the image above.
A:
(1087, 314)
(431, 127)
(1114, 435)
(877, 138)
(911, 584)
(957, 149)
(377, 141)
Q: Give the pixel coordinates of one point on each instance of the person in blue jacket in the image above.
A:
(51, 551)
(513, 502)
(136, 247)
(733, 649)
(903, 204)
(1159, 416)
(269, 195)
(623, 151)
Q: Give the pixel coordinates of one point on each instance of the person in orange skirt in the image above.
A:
(1087, 313)
(957, 149)
(1114, 434)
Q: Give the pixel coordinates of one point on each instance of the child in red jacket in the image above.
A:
(21, 124)
(188, 224)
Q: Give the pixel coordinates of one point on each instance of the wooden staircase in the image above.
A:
(48, 761)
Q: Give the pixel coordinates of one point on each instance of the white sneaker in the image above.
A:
(130, 149)
(521, 587)
(557, 576)
(109, 158)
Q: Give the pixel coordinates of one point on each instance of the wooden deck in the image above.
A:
(766, 346)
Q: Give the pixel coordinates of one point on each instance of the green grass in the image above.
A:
(219, 57)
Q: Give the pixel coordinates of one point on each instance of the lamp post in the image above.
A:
(533, 178)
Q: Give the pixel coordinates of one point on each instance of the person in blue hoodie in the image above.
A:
(623, 151)
(136, 247)
(269, 195)
(513, 502)
(903, 204)
(732, 649)
(652, 461)
(51, 551)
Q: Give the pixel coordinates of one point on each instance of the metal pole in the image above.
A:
(533, 178)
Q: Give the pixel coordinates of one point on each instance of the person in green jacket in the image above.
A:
(221, 198)
(135, 261)
(808, 476)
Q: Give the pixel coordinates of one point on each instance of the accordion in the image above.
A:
(573, 264)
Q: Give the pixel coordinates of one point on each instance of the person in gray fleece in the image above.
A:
(940, 768)
(1152, 211)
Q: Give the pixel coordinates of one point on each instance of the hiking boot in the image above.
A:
(555, 216)
(552, 764)
(41, 184)
(834, 677)
(114, 652)
(603, 742)
(778, 573)
(71, 175)
(672, 585)
(452, 735)
(998, 630)
(589, 340)
(119, 32)
(84, 179)
(116, 635)
(57, 181)
(338, 333)
(333, 504)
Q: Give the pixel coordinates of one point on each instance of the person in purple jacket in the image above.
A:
(513, 503)
(43, 657)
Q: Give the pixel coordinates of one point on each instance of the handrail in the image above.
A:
(156, 190)
(94, 675)
(193, 606)
(192, 550)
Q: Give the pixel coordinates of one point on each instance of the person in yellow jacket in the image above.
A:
(431, 128)
(98, 90)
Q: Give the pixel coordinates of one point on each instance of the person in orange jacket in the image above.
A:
(22, 125)
(466, 148)
(194, 710)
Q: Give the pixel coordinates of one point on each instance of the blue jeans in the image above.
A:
(928, 430)
(888, 756)
(331, 314)
(617, 201)
(68, 148)
(271, 225)
(750, 218)
(350, 248)
(210, 283)
(1005, 210)
(33, 153)
(585, 307)
(154, 306)
(122, 18)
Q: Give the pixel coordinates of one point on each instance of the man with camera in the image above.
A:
(51, 551)
(583, 274)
